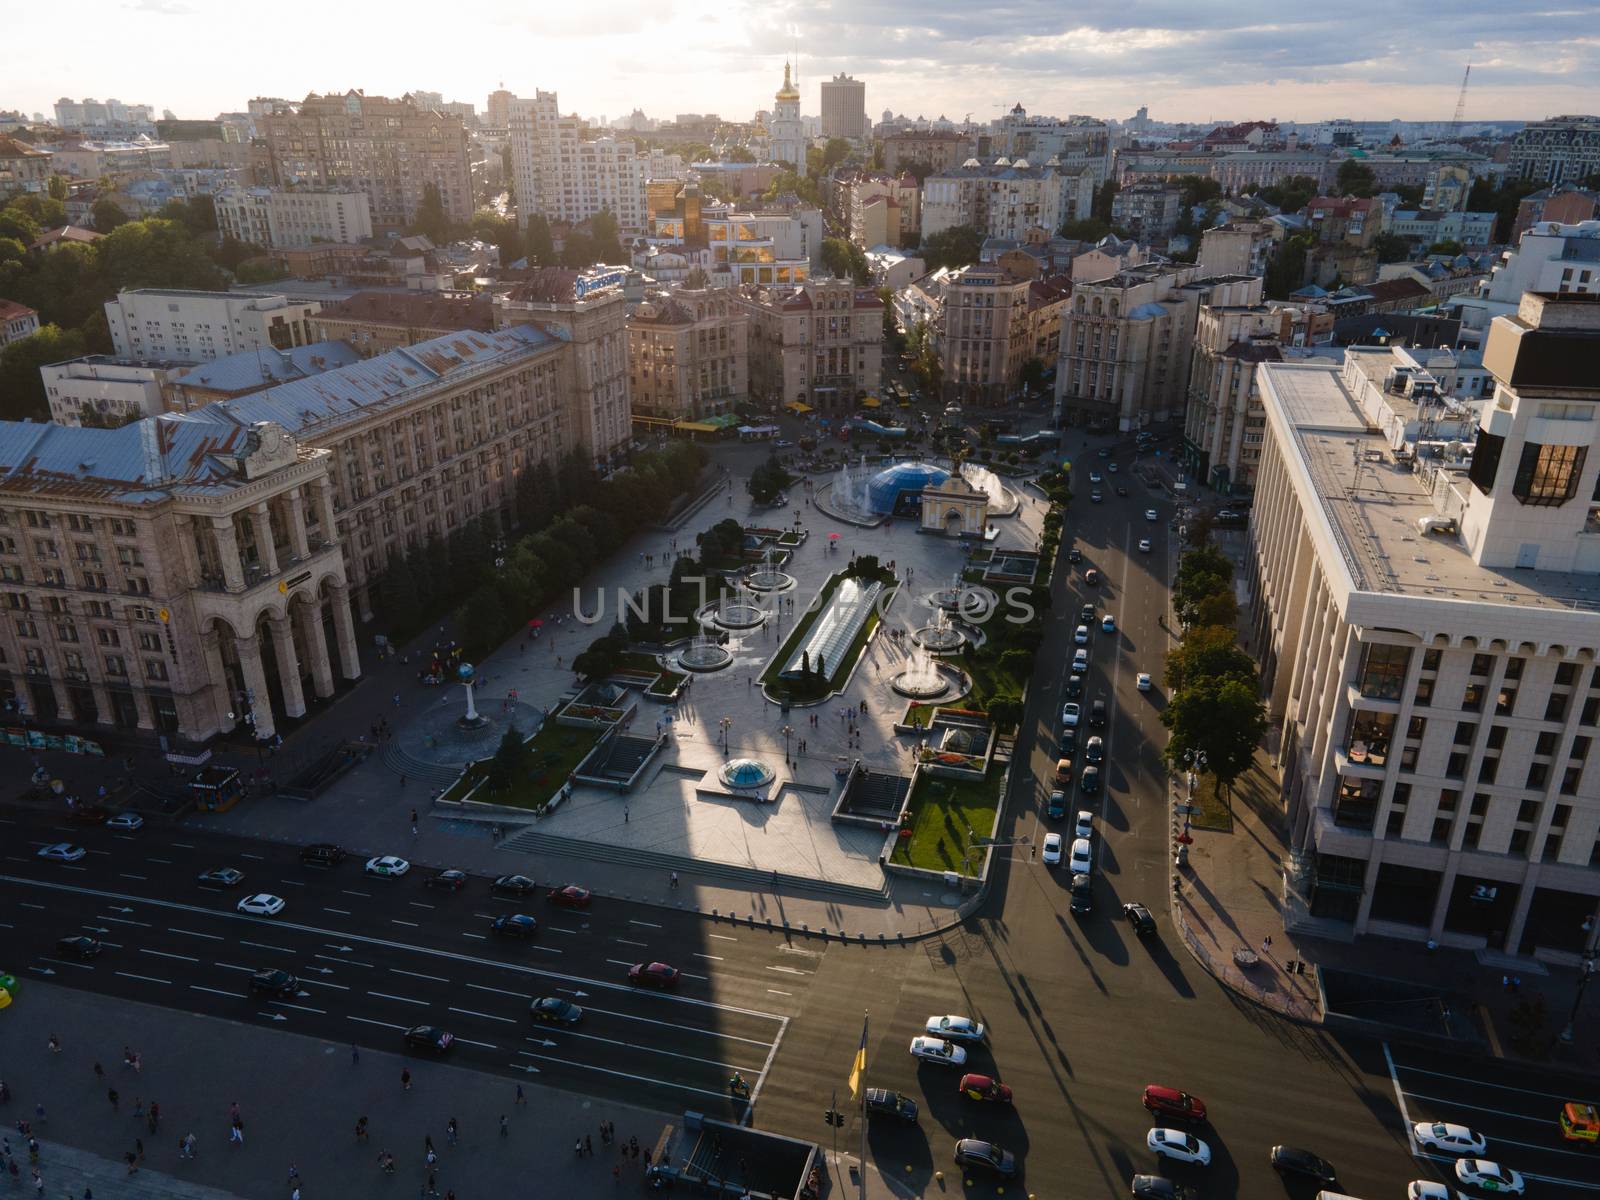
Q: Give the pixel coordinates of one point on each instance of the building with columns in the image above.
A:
(1430, 647)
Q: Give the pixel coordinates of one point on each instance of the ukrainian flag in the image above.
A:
(858, 1067)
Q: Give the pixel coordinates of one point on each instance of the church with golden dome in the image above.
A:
(787, 133)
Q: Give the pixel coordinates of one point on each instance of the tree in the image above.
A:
(1207, 652)
(106, 215)
(598, 661)
(46, 211)
(484, 616)
(262, 270)
(1391, 247)
(1410, 194)
(1222, 717)
(1005, 712)
(1089, 229)
(432, 221)
(510, 761)
(1447, 246)
(398, 598)
(1104, 199)
(696, 278)
(1197, 189)
(1286, 269)
(15, 223)
(846, 260)
(537, 243)
(1354, 178)
(154, 254)
(834, 152)
(1502, 201)
(11, 250)
(1291, 194)
(767, 482)
(738, 154)
(22, 394)
(607, 245)
(958, 246)
(57, 187)
(1032, 373)
(1017, 663)
(1217, 608)
(502, 232)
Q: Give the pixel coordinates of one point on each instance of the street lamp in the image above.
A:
(724, 724)
(1195, 761)
(788, 730)
(1584, 972)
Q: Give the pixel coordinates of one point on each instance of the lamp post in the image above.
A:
(724, 724)
(1585, 969)
(788, 730)
(1195, 761)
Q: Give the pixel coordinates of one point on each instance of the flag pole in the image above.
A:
(863, 1167)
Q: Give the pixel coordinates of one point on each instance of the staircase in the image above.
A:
(877, 795)
(432, 774)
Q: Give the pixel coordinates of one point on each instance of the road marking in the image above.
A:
(472, 1012)
(397, 921)
(647, 924)
(560, 929)
(776, 992)
(482, 937)
(216, 991)
(126, 875)
(728, 1037)
(363, 895)
(420, 975)
(626, 942)
(1400, 1098)
(165, 862)
(292, 882)
(712, 957)
(710, 1062)
(682, 1087)
(343, 912)
(482, 987)
(791, 970)
(124, 921)
(210, 937)
(323, 983)
(722, 937)
(61, 962)
(164, 954)
(301, 1007)
(257, 857)
(264, 946)
(787, 949)
(183, 845)
(146, 978)
(232, 967)
(418, 904)
(25, 904)
(370, 1021)
(1500, 1087)
(401, 999)
(470, 1042)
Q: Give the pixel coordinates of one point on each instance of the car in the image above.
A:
(1489, 1176)
(1108, 624)
(1097, 715)
(1086, 613)
(1170, 1102)
(886, 1103)
(1142, 681)
(1085, 824)
(1080, 660)
(1089, 781)
(1178, 1145)
(1052, 849)
(1103, 452)
(62, 852)
(783, 443)
(937, 1050)
(1063, 775)
(513, 885)
(387, 866)
(322, 854)
(553, 1010)
(429, 1037)
(127, 821)
(88, 814)
(1094, 750)
(222, 877)
(275, 981)
(1074, 687)
(515, 925)
(1158, 1187)
(1580, 1122)
(571, 896)
(1094, 476)
(1427, 1189)
(972, 1152)
(1057, 807)
(81, 946)
(1144, 545)
(1139, 917)
(261, 904)
(985, 1088)
(1291, 1160)
(1074, 555)
(654, 975)
(450, 879)
(1227, 514)
(1151, 514)
(1091, 576)
(1082, 894)
(1082, 861)
(1069, 741)
(1120, 490)
(1452, 1139)
(1069, 717)
(1111, 468)
(1080, 635)
(1095, 497)
(955, 1029)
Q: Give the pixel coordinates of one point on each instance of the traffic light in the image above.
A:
(832, 1116)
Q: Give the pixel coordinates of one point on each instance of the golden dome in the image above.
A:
(788, 91)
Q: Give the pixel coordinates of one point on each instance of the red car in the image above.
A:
(654, 975)
(1169, 1102)
(571, 896)
(982, 1087)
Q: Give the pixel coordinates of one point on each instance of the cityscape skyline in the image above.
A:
(1107, 62)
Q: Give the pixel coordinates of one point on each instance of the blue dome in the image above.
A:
(887, 486)
(745, 773)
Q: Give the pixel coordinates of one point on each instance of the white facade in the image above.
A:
(192, 326)
(288, 220)
(567, 178)
(1550, 258)
(787, 130)
(104, 391)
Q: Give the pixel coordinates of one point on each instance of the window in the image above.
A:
(155, 669)
(1430, 660)
(1383, 671)
(1472, 698)
(1514, 668)
(1505, 702)
(1456, 766)
(1397, 810)
(1548, 475)
(1591, 711)
(115, 665)
(1566, 673)
(1537, 774)
(1496, 738)
(1569, 780)
(109, 637)
(1481, 664)
(1555, 708)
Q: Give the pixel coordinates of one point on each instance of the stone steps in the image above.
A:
(432, 774)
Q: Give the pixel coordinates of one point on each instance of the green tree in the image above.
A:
(1104, 199)
(846, 260)
(510, 762)
(22, 394)
(432, 221)
(15, 223)
(598, 661)
(154, 253)
(1447, 246)
(1088, 229)
(1032, 373)
(958, 246)
(738, 154)
(11, 250)
(1017, 663)
(834, 152)
(1410, 194)
(1222, 717)
(1218, 608)
(696, 278)
(106, 215)
(1197, 189)
(398, 599)
(1207, 652)
(58, 187)
(1286, 269)
(1291, 194)
(579, 251)
(607, 245)
(490, 226)
(46, 211)
(1354, 178)
(1005, 712)
(262, 270)
(484, 616)
(1391, 247)
(537, 243)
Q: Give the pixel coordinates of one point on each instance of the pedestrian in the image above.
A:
(294, 1173)
(132, 1161)
(54, 1044)
(99, 1072)
(397, 699)
(355, 1055)
(577, 1147)
(588, 1144)
(674, 879)
(236, 1132)
(431, 1157)
(413, 822)
(111, 1095)
(521, 1098)
(505, 1130)
(295, 1194)
(450, 1131)
(233, 1110)
(405, 1076)
(138, 1146)
(1266, 943)
(624, 814)
(155, 1116)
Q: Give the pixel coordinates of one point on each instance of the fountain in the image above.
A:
(941, 637)
(703, 654)
(949, 598)
(924, 679)
(767, 577)
(736, 611)
(1002, 500)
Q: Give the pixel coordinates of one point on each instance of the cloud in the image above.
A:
(161, 8)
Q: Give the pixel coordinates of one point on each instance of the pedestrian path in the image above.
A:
(73, 1174)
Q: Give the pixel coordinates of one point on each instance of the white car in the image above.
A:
(1085, 826)
(956, 1029)
(1111, 468)
(1142, 681)
(128, 821)
(261, 905)
(1094, 476)
(1428, 1189)
(1082, 856)
(1489, 1176)
(388, 866)
(1151, 514)
(62, 852)
(937, 1050)
(1144, 545)
(1052, 849)
(1452, 1139)
(1070, 712)
(1108, 624)
(1080, 634)
(1179, 1145)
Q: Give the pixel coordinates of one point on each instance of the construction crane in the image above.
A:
(1461, 104)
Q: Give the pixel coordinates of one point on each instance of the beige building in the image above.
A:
(819, 344)
(932, 150)
(389, 149)
(984, 338)
(885, 211)
(180, 325)
(1148, 211)
(1007, 197)
(844, 107)
(1429, 648)
(1223, 424)
(1237, 248)
(566, 174)
(23, 168)
(17, 321)
(688, 354)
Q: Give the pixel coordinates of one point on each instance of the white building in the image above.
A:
(787, 130)
(101, 390)
(1006, 198)
(284, 220)
(1429, 641)
(567, 177)
(17, 321)
(1550, 258)
(192, 326)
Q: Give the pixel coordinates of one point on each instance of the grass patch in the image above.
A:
(1214, 812)
(556, 751)
(940, 814)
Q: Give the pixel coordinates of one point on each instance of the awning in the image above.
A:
(870, 402)
(723, 420)
(796, 407)
(697, 427)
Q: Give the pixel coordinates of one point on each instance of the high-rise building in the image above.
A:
(497, 111)
(1560, 150)
(788, 133)
(389, 149)
(567, 176)
(278, 219)
(1222, 425)
(844, 107)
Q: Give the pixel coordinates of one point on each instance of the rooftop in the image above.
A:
(261, 368)
(415, 310)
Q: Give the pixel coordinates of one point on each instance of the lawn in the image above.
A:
(1214, 813)
(941, 813)
(556, 752)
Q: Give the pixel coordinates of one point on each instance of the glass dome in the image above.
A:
(886, 487)
(745, 773)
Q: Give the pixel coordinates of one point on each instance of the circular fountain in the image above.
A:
(924, 679)
(941, 637)
(767, 577)
(703, 654)
(745, 774)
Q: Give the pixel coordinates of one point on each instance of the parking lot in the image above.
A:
(1515, 1107)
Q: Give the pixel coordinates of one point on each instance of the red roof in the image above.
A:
(10, 310)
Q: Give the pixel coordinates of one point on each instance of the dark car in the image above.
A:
(1122, 491)
(1082, 894)
(654, 975)
(322, 854)
(450, 880)
(1091, 576)
(1155, 1187)
(971, 1152)
(275, 981)
(429, 1037)
(515, 925)
(1089, 780)
(78, 947)
(1056, 809)
(1291, 1160)
(1069, 741)
(1170, 1102)
(571, 896)
(1086, 615)
(1074, 687)
(553, 1010)
(884, 1103)
(1074, 555)
(513, 885)
(222, 877)
(1139, 917)
(88, 814)
(1097, 714)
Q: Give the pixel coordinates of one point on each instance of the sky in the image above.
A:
(1186, 59)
